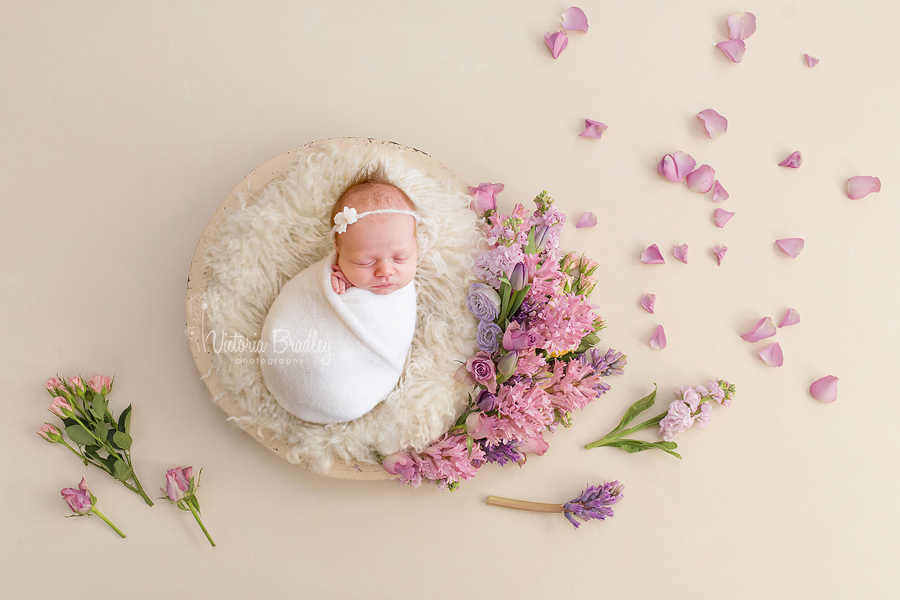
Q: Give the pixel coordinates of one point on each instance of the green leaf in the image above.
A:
(98, 406)
(121, 440)
(587, 342)
(121, 470)
(632, 446)
(109, 463)
(78, 435)
(91, 452)
(193, 500)
(637, 408)
(530, 248)
(469, 444)
(125, 420)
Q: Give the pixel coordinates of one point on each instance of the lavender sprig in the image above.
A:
(593, 503)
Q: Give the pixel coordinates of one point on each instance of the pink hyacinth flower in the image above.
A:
(676, 166)
(720, 217)
(715, 123)
(648, 301)
(574, 18)
(733, 49)
(593, 129)
(701, 180)
(658, 341)
(793, 161)
(719, 193)
(862, 186)
(556, 41)
(533, 445)
(791, 317)
(763, 329)
(680, 252)
(588, 219)
(720, 251)
(652, 256)
(811, 61)
(772, 355)
(741, 25)
(791, 246)
(824, 389)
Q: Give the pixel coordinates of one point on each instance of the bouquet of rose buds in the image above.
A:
(101, 440)
(536, 362)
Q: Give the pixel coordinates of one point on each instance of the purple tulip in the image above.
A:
(507, 364)
(486, 401)
(541, 235)
(517, 277)
(483, 301)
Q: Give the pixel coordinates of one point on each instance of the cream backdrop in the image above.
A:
(126, 124)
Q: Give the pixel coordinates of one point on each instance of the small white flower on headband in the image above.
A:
(344, 218)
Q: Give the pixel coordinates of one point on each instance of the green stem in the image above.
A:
(199, 522)
(137, 482)
(615, 435)
(108, 522)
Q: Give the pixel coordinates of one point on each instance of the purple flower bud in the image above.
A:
(483, 301)
(517, 277)
(541, 235)
(486, 401)
(80, 499)
(507, 364)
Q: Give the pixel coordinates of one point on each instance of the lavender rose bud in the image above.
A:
(178, 481)
(488, 336)
(486, 401)
(482, 368)
(483, 301)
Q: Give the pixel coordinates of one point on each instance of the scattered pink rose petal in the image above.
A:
(763, 329)
(680, 252)
(720, 251)
(719, 193)
(791, 317)
(588, 219)
(574, 18)
(676, 166)
(793, 161)
(811, 60)
(824, 389)
(772, 355)
(791, 246)
(593, 129)
(648, 301)
(715, 123)
(556, 41)
(658, 341)
(741, 25)
(733, 49)
(721, 217)
(652, 256)
(702, 179)
(862, 186)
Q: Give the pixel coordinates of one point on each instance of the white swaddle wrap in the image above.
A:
(330, 358)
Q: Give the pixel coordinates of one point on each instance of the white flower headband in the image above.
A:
(349, 216)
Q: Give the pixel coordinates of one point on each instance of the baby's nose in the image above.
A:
(384, 269)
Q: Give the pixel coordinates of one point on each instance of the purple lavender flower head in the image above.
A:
(594, 503)
(610, 363)
(488, 336)
(500, 453)
(483, 301)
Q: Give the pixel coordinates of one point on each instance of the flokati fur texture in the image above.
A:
(285, 228)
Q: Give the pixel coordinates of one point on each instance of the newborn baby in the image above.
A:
(337, 336)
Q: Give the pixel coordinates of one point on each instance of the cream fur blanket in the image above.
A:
(328, 357)
(284, 228)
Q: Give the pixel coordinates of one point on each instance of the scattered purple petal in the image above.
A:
(763, 329)
(556, 41)
(652, 256)
(791, 246)
(772, 355)
(733, 49)
(741, 25)
(824, 389)
(588, 219)
(791, 317)
(862, 186)
(658, 341)
(574, 18)
(720, 251)
(648, 301)
(793, 161)
(593, 129)
(676, 166)
(721, 216)
(680, 252)
(811, 60)
(702, 179)
(715, 123)
(719, 193)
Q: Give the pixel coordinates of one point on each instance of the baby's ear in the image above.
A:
(336, 247)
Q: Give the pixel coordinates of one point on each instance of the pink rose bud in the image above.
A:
(79, 500)
(53, 384)
(484, 197)
(101, 384)
(50, 433)
(178, 481)
(77, 384)
(61, 407)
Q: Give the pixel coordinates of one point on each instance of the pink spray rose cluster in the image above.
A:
(536, 363)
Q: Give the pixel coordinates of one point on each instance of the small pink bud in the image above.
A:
(101, 384)
(79, 500)
(60, 407)
(50, 433)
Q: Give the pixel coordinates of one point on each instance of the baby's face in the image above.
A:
(379, 252)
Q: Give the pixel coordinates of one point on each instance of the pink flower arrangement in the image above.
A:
(536, 302)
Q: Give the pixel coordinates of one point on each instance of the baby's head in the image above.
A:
(377, 252)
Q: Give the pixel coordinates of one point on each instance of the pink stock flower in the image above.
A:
(678, 420)
(178, 483)
(484, 197)
(79, 500)
(101, 384)
(702, 420)
(60, 407)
